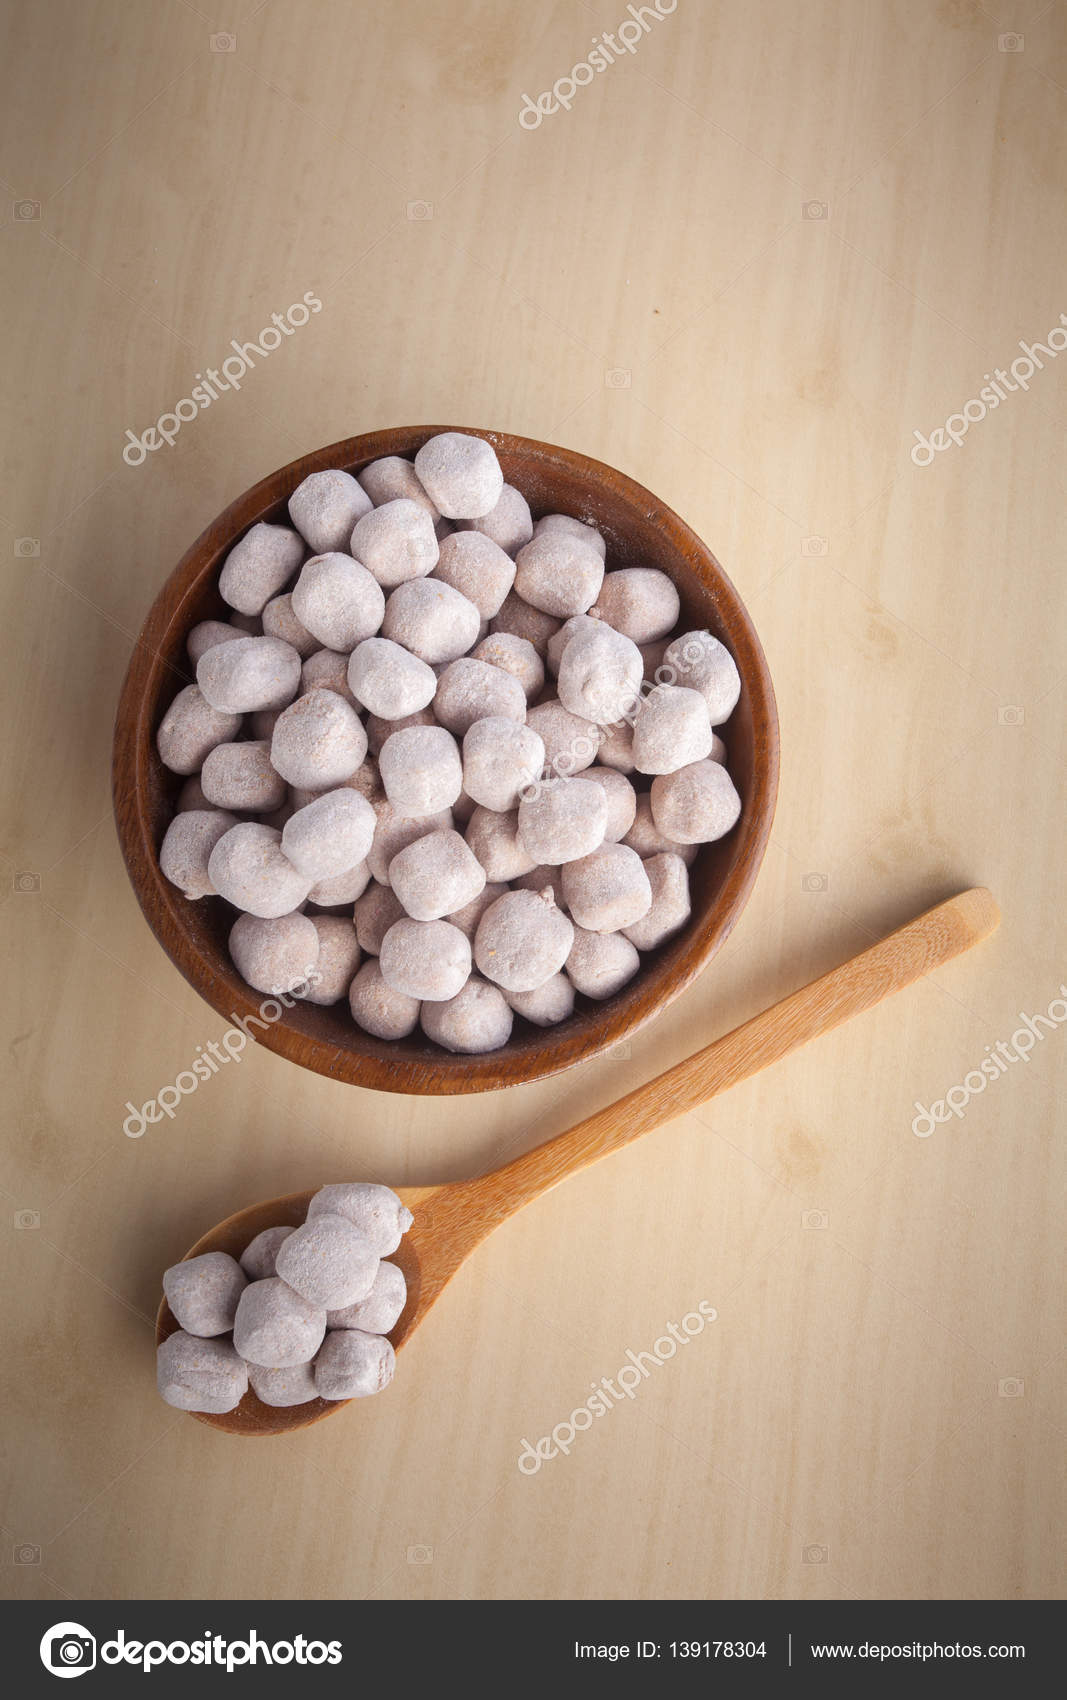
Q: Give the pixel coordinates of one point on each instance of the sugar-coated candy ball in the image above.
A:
(600, 964)
(435, 875)
(378, 728)
(250, 673)
(337, 960)
(393, 477)
(671, 729)
(546, 1005)
(461, 474)
(276, 1326)
(260, 566)
(470, 690)
(353, 1365)
(621, 800)
(558, 642)
(421, 769)
(702, 662)
(280, 621)
(382, 1308)
(571, 742)
(501, 758)
(380, 1216)
(190, 728)
(616, 747)
(328, 1262)
(276, 955)
(394, 830)
(249, 869)
(202, 1292)
(396, 542)
(282, 1387)
(340, 891)
(563, 820)
(516, 656)
(477, 567)
(493, 836)
(640, 602)
(257, 1259)
(586, 533)
(206, 635)
(425, 959)
(325, 507)
(327, 670)
(522, 940)
(431, 619)
(338, 600)
(600, 674)
(477, 1019)
(646, 838)
(466, 918)
(240, 776)
(330, 834)
(375, 913)
(509, 523)
(671, 906)
(559, 574)
(607, 890)
(319, 741)
(520, 619)
(200, 1375)
(696, 804)
(186, 849)
(377, 1008)
(388, 680)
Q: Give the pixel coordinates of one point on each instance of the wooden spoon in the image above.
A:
(452, 1219)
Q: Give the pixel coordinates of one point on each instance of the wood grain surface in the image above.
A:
(750, 263)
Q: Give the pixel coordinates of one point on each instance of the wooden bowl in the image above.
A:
(639, 531)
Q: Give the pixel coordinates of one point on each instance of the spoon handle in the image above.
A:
(912, 951)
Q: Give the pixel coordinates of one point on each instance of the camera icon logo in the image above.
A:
(1011, 43)
(27, 548)
(224, 42)
(24, 1553)
(25, 1220)
(617, 378)
(420, 1555)
(815, 209)
(68, 1649)
(1011, 714)
(25, 210)
(816, 1555)
(815, 882)
(814, 1219)
(26, 883)
(420, 209)
(815, 546)
(1011, 1387)
(621, 1052)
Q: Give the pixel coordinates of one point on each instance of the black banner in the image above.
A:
(660, 1645)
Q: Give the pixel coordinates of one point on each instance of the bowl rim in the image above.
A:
(162, 903)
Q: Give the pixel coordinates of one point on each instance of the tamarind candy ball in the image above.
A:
(559, 574)
(470, 690)
(600, 964)
(275, 1326)
(476, 1020)
(325, 507)
(337, 961)
(191, 728)
(705, 664)
(250, 673)
(248, 868)
(671, 730)
(696, 804)
(645, 837)
(274, 955)
(573, 528)
(393, 477)
(516, 655)
(434, 621)
(522, 940)
(377, 1008)
(671, 906)
(339, 602)
(186, 850)
(509, 523)
(493, 836)
(319, 741)
(382, 1308)
(195, 1374)
(396, 542)
(640, 602)
(477, 567)
(353, 1365)
(257, 1259)
(240, 776)
(280, 621)
(461, 474)
(563, 820)
(428, 960)
(501, 757)
(388, 680)
(260, 566)
(202, 1292)
(607, 890)
(547, 1005)
(421, 769)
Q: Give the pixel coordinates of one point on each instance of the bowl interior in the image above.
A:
(639, 531)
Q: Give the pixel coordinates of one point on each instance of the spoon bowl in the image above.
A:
(452, 1219)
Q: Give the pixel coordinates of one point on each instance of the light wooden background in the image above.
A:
(878, 1410)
